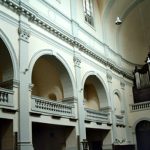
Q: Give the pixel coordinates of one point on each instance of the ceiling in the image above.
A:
(131, 39)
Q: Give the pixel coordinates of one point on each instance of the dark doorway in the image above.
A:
(143, 135)
(95, 138)
(6, 134)
(50, 137)
(95, 145)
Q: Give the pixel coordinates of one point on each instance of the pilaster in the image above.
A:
(25, 140)
(124, 110)
(80, 106)
(110, 103)
(75, 25)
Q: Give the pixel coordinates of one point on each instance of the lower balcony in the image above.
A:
(96, 116)
(6, 98)
(54, 108)
(120, 120)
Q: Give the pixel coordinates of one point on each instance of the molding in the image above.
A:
(9, 19)
(16, 83)
(22, 9)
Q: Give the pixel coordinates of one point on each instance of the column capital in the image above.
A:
(109, 77)
(122, 84)
(24, 34)
(77, 61)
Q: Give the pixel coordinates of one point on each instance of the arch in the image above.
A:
(117, 108)
(143, 135)
(12, 54)
(139, 120)
(116, 91)
(134, 127)
(101, 81)
(50, 52)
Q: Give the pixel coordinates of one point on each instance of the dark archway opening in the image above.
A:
(6, 67)
(143, 135)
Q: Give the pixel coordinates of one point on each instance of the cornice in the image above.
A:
(22, 9)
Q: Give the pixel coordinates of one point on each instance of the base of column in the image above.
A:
(107, 147)
(72, 148)
(25, 146)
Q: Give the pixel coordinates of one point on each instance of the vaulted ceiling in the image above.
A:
(131, 39)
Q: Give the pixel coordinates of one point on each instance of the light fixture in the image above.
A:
(85, 144)
(118, 21)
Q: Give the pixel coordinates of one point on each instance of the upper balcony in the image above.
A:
(140, 106)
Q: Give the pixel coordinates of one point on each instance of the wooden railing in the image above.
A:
(96, 116)
(140, 106)
(6, 97)
(54, 108)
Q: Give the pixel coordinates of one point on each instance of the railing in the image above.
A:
(119, 120)
(6, 97)
(55, 108)
(140, 106)
(96, 116)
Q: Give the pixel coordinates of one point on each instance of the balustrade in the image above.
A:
(140, 106)
(96, 116)
(56, 108)
(6, 97)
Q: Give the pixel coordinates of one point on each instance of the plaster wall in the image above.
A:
(55, 12)
(138, 116)
(95, 30)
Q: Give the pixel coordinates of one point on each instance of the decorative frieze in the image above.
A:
(34, 17)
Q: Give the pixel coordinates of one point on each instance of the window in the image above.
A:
(88, 11)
